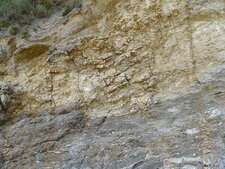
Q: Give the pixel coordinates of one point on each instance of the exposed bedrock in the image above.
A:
(118, 85)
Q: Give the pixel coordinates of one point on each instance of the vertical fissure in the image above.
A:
(50, 80)
(52, 90)
(78, 80)
(190, 34)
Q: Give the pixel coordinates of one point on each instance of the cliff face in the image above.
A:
(120, 84)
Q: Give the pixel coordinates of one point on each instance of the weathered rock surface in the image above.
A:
(8, 103)
(120, 84)
(185, 132)
(115, 53)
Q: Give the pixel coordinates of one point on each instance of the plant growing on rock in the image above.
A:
(3, 24)
(24, 11)
(25, 35)
(51, 51)
(66, 11)
(13, 30)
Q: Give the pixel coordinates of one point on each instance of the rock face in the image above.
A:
(8, 103)
(185, 132)
(120, 84)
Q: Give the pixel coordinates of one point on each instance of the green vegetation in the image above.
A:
(13, 30)
(25, 35)
(51, 51)
(66, 11)
(24, 11)
(3, 24)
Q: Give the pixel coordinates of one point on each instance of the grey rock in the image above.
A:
(5, 100)
(184, 132)
(68, 108)
(189, 167)
(6, 92)
(1, 106)
(7, 89)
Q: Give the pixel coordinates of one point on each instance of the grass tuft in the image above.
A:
(14, 30)
(24, 11)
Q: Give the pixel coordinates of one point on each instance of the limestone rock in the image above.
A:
(120, 84)
(6, 89)
(6, 100)
(30, 51)
(8, 103)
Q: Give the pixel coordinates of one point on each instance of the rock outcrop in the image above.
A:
(119, 84)
(185, 132)
(8, 103)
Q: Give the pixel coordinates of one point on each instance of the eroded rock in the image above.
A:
(126, 68)
(30, 51)
(8, 102)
